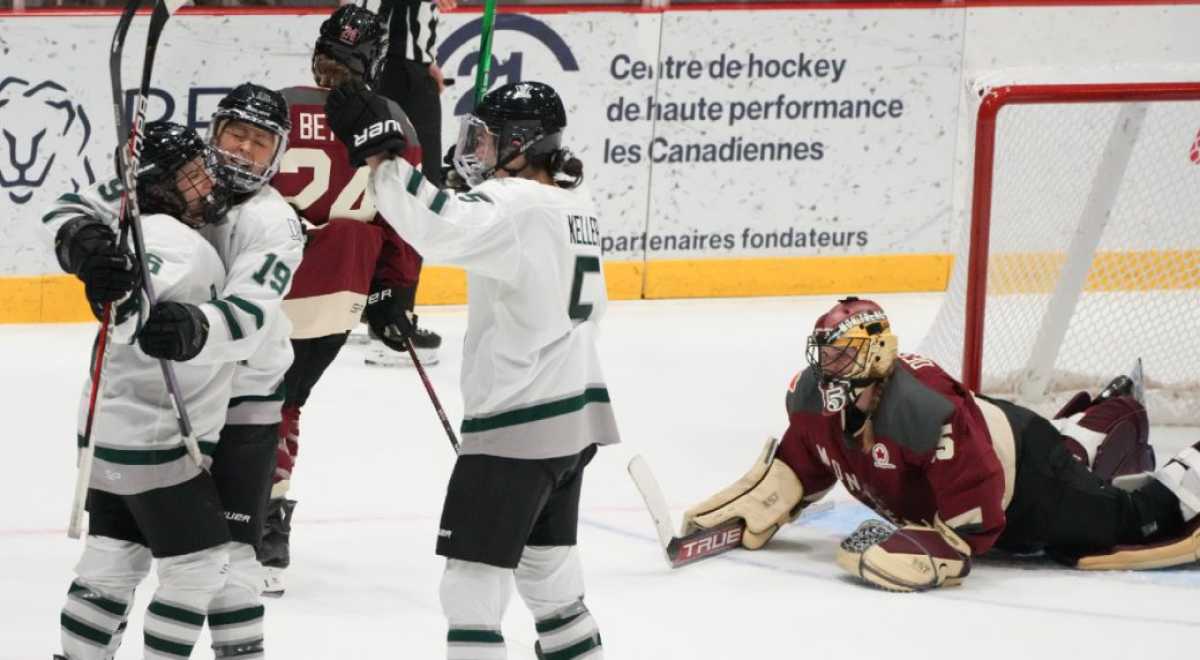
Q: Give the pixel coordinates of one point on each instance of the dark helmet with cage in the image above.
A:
(177, 176)
(851, 347)
(354, 37)
(260, 108)
(523, 118)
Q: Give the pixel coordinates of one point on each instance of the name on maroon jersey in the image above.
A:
(312, 127)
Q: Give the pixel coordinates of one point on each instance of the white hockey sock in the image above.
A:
(550, 580)
(474, 597)
(235, 616)
(98, 601)
(187, 585)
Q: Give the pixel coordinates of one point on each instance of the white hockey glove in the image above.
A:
(766, 497)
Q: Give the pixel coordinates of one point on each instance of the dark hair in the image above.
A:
(564, 168)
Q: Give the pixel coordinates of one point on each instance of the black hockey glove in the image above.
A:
(389, 316)
(88, 248)
(174, 331)
(364, 122)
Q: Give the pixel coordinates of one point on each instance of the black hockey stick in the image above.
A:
(433, 397)
(128, 153)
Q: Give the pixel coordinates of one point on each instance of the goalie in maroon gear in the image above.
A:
(957, 473)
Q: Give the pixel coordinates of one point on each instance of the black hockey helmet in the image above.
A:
(195, 197)
(354, 37)
(258, 106)
(525, 117)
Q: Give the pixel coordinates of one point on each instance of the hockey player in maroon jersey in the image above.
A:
(957, 473)
(350, 251)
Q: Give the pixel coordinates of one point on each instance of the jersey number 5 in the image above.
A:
(578, 311)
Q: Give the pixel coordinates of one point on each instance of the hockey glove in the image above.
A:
(389, 317)
(767, 497)
(911, 558)
(364, 122)
(88, 249)
(174, 331)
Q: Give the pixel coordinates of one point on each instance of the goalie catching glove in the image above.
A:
(909, 558)
(765, 498)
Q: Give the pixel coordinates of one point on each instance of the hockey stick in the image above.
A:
(158, 20)
(433, 397)
(700, 544)
(484, 68)
(126, 163)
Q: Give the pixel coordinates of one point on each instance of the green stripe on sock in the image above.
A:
(554, 623)
(235, 616)
(235, 330)
(474, 636)
(84, 630)
(248, 307)
(167, 646)
(87, 595)
(538, 412)
(179, 614)
(575, 650)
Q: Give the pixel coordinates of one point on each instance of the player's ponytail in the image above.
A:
(565, 168)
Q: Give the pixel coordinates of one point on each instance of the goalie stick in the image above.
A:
(128, 152)
(700, 544)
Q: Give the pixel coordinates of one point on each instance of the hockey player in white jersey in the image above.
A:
(259, 242)
(147, 497)
(535, 398)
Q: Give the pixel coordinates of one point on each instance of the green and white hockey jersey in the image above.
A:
(137, 440)
(260, 245)
(531, 378)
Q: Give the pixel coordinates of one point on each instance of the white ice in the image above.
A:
(697, 387)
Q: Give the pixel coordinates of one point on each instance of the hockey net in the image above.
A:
(1081, 252)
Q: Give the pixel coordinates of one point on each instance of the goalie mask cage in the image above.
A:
(1081, 253)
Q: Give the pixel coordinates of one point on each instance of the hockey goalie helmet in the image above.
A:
(851, 347)
(249, 131)
(177, 176)
(523, 118)
(356, 38)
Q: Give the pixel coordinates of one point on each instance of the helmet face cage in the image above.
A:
(261, 108)
(857, 351)
(483, 147)
(178, 176)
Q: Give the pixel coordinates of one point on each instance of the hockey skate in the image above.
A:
(425, 342)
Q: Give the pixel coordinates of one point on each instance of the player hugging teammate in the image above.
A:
(957, 473)
(220, 321)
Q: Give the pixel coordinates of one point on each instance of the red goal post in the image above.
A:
(1133, 202)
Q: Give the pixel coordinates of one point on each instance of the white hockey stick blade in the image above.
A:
(652, 495)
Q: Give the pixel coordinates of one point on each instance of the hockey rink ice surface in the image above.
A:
(697, 387)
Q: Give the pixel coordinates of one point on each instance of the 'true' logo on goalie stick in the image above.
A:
(720, 539)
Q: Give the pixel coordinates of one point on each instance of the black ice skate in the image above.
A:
(1131, 385)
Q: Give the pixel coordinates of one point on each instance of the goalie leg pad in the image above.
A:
(1111, 435)
(911, 558)
(766, 497)
(1181, 549)
(1181, 475)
